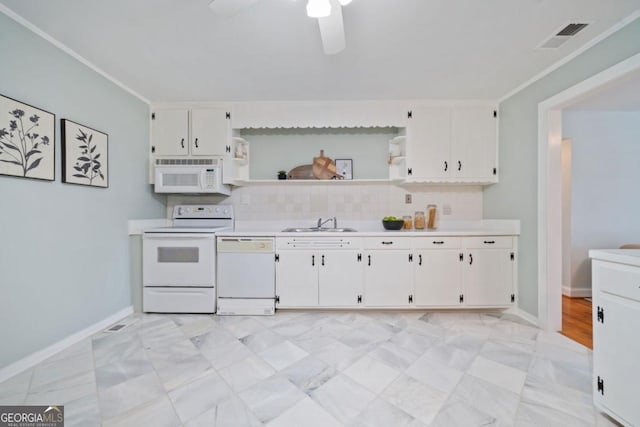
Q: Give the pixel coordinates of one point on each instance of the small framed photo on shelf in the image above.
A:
(344, 167)
(85, 155)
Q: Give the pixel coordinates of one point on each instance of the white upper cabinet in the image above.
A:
(196, 132)
(455, 143)
(210, 132)
(429, 144)
(170, 132)
(474, 143)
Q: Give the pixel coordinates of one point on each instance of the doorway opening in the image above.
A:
(550, 200)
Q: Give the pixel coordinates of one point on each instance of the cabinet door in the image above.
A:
(428, 143)
(170, 132)
(340, 278)
(210, 132)
(438, 277)
(474, 143)
(487, 277)
(297, 278)
(615, 356)
(388, 278)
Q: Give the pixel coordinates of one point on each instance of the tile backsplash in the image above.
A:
(298, 201)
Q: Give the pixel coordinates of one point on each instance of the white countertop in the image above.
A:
(622, 256)
(374, 229)
(364, 228)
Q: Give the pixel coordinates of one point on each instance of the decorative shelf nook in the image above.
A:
(275, 149)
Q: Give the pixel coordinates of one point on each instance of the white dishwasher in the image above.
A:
(246, 275)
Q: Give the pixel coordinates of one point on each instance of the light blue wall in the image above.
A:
(64, 249)
(516, 194)
(605, 206)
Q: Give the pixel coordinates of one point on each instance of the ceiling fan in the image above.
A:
(328, 12)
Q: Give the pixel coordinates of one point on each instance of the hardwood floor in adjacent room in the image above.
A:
(577, 321)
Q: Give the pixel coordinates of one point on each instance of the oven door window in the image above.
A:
(178, 254)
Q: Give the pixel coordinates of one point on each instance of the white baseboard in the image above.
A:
(40, 355)
(576, 292)
(516, 311)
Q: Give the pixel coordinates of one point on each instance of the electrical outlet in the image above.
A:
(446, 209)
(407, 198)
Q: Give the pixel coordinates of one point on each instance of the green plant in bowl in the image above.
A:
(392, 223)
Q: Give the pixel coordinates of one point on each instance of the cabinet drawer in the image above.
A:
(437, 242)
(387, 242)
(318, 243)
(501, 242)
(620, 280)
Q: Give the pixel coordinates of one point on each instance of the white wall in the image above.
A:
(605, 202)
(515, 196)
(64, 249)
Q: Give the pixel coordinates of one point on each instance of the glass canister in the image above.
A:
(418, 220)
(407, 222)
(431, 223)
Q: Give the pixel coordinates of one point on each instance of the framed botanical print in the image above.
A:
(85, 155)
(27, 140)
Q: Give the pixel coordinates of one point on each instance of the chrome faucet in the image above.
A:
(321, 222)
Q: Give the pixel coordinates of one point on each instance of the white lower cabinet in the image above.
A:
(340, 278)
(388, 278)
(438, 272)
(488, 271)
(388, 272)
(399, 272)
(296, 279)
(320, 272)
(616, 348)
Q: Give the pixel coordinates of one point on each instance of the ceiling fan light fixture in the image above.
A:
(318, 8)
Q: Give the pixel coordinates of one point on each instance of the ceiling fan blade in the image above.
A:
(230, 7)
(332, 30)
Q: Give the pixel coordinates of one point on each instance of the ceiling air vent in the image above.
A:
(562, 36)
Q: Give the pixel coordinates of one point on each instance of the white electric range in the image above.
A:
(179, 262)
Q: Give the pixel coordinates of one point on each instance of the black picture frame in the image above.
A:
(85, 155)
(27, 140)
(344, 167)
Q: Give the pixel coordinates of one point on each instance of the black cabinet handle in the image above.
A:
(369, 260)
(459, 165)
(446, 166)
(489, 242)
(196, 142)
(322, 261)
(470, 259)
(313, 260)
(182, 143)
(438, 242)
(419, 259)
(387, 243)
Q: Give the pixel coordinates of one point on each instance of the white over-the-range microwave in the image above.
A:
(190, 176)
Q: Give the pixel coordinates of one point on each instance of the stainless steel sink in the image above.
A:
(317, 229)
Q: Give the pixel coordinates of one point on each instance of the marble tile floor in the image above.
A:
(317, 369)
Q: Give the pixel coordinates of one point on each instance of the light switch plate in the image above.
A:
(245, 199)
(407, 198)
(446, 209)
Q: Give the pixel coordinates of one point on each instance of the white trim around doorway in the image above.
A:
(549, 188)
